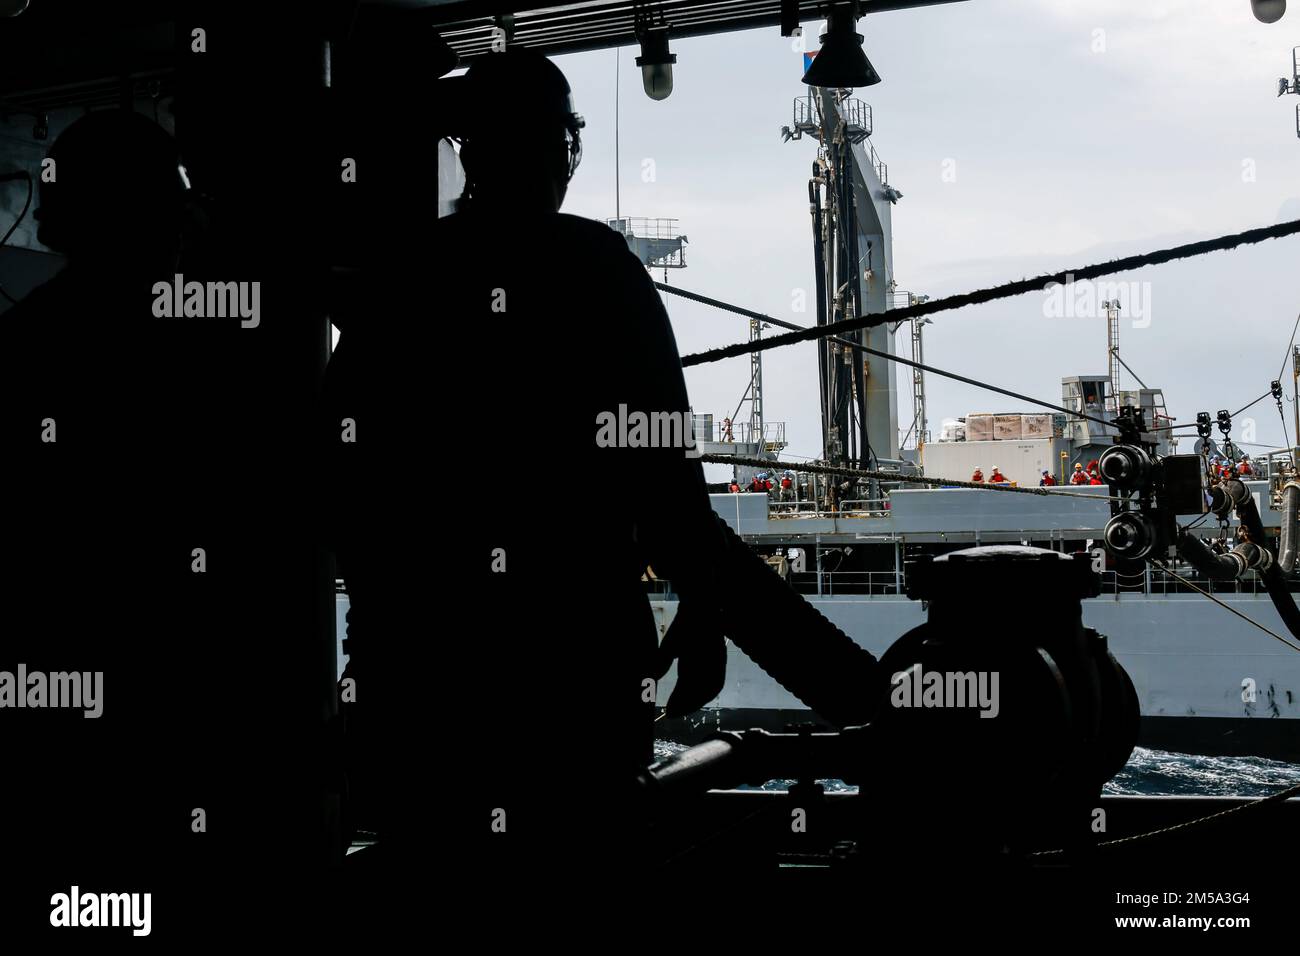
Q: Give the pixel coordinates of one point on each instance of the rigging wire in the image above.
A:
(1161, 428)
(1252, 404)
(728, 307)
(1194, 524)
(1116, 353)
(1223, 604)
(1280, 373)
(1290, 346)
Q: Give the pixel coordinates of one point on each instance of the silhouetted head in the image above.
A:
(521, 142)
(115, 192)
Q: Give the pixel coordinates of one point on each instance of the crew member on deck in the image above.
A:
(524, 671)
(978, 476)
(1078, 478)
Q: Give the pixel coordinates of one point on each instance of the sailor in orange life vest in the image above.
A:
(1047, 480)
(978, 476)
(997, 478)
(1078, 478)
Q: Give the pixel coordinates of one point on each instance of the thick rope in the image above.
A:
(1279, 797)
(889, 356)
(1004, 291)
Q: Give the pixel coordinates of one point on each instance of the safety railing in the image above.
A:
(882, 170)
(864, 506)
(1274, 461)
(846, 583)
(1152, 582)
(1156, 581)
(779, 508)
(857, 120)
(657, 587)
(743, 433)
(857, 508)
(642, 227)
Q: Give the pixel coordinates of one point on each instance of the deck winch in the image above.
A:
(960, 705)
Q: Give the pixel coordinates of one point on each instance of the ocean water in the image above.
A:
(1148, 772)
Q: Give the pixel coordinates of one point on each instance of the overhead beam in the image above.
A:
(571, 28)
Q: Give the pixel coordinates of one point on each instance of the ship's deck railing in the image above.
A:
(853, 508)
(864, 507)
(642, 227)
(785, 509)
(1157, 581)
(1154, 582)
(657, 587)
(833, 583)
(744, 433)
(1274, 461)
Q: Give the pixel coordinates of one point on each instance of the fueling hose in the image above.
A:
(791, 640)
(1274, 579)
(1286, 548)
(1222, 567)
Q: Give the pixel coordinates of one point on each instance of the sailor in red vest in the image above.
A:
(734, 488)
(997, 478)
(1244, 468)
(787, 487)
(1078, 478)
(1047, 480)
(978, 476)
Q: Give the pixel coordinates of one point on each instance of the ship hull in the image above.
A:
(1194, 665)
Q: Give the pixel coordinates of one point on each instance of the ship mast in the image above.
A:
(1112, 353)
(850, 202)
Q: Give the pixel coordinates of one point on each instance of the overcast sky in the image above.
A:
(1072, 131)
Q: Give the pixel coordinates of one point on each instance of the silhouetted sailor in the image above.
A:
(108, 414)
(511, 641)
(110, 202)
